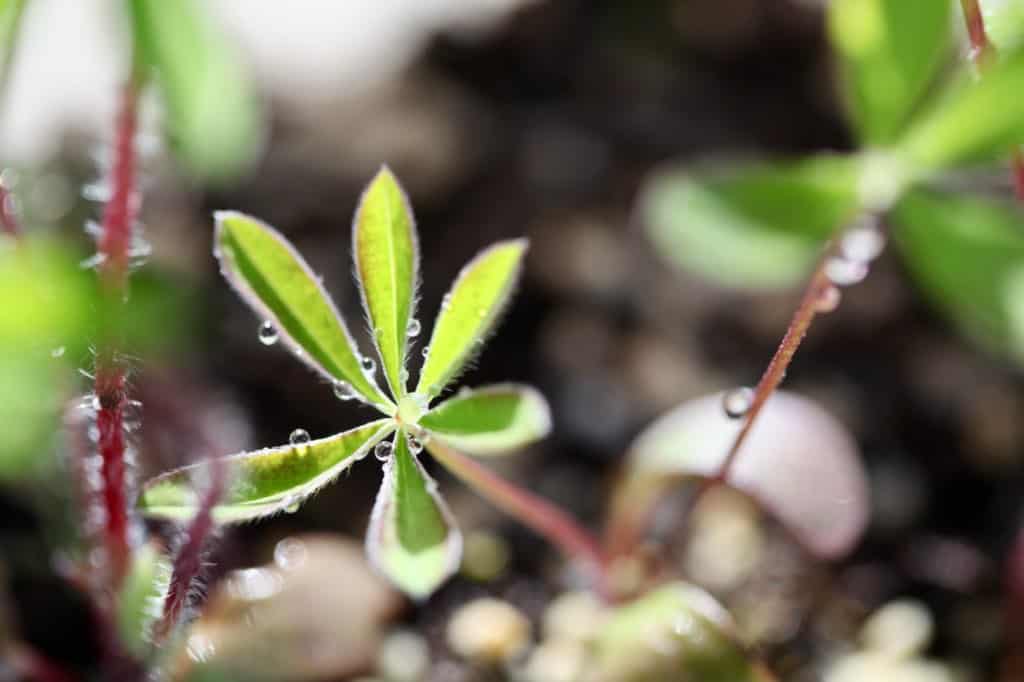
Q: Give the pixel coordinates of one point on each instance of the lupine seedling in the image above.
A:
(412, 537)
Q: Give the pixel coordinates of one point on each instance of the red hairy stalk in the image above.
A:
(8, 216)
(533, 512)
(110, 384)
(189, 561)
(983, 53)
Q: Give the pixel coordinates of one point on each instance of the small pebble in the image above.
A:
(488, 631)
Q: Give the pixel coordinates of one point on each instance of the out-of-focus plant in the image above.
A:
(761, 224)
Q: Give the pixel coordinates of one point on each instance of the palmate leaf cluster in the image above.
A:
(926, 121)
(412, 538)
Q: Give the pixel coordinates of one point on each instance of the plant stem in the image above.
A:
(532, 511)
(110, 383)
(983, 53)
(8, 218)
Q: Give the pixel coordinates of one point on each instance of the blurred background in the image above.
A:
(504, 118)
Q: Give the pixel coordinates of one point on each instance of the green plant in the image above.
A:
(921, 134)
(412, 537)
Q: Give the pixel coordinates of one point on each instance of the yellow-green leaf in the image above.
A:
(977, 119)
(490, 420)
(386, 254)
(138, 601)
(891, 51)
(265, 481)
(676, 632)
(412, 538)
(967, 254)
(469, 312)
(271, 276)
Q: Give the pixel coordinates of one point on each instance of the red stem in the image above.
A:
(532, 511)
(8, 218)
(110, 384)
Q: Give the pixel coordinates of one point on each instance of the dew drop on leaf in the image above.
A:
(737, 402)
(845, 272)
(412, 330)
(267, 333)
(425, 352)
(342, 391)
(291, 505)
(415, 446)
(368, 364)
(382, 451)
(299, 437)
(57, 352)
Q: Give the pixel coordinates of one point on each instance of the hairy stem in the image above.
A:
(983, 53)
(110, 383)
(532, 511)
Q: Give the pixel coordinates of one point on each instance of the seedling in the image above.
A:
(412, 537)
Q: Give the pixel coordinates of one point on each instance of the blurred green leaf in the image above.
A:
(968, 256)
(412, 538)
(30, 404)
(470, 310)
(10, 20)
(271, 276)
(386, 255)
(676, 632)
(891, 51)
(490, 420)
(265, 481)
(214, 117)
(977, 119)
(751, 226)
(1004, 22)
(138, 602)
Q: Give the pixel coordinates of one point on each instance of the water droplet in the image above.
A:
(96, 191)
(844, 272)
(403, 375)
(291, 505)
(290, 553)
(57, 352)
(382, 450)
(342, 391)
(368, 364)
(93, 229)
(425, 352)
(415, 446)
(828, 299)
(299, 437)
(267, 333)
(862, 243)
(412, 330)
(737, 402)
(446, 302)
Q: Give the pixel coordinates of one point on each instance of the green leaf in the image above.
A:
(139, 597)
(386, 255)
(676, 632)
(469, 312)
(277, 283)
(968, 256)
(977, 119)
(1004, 22)
(737, 226)
(490, 420)
(265, 481)
(891, 51)
(10, 20)
(412, 537)
(213, 112)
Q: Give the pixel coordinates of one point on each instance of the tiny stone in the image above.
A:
(403, 657)
(488, 631)
(901, 629)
